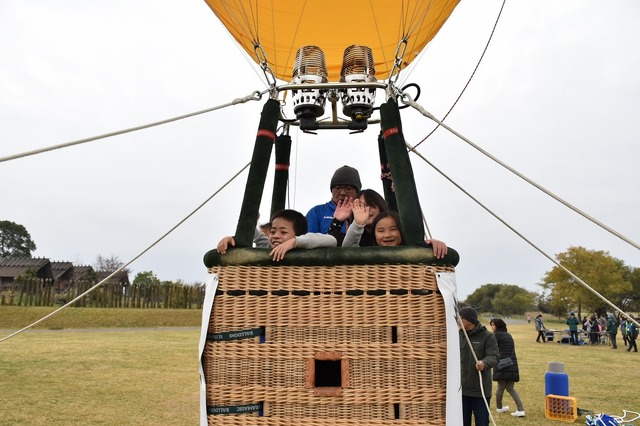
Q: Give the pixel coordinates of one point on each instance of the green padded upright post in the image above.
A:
(281, 177)
(257, 174)
(403, 179)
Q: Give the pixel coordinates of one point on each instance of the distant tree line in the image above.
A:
(611, 277)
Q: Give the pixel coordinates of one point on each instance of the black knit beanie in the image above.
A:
(469, 314)
(346, 175)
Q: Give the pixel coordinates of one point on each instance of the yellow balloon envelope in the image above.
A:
(281, 27)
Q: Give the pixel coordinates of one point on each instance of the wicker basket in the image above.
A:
(340, 345)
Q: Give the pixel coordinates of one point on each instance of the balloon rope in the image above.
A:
(538, 249)
(252, 97)
(407, 99)
(470, 77)
(129, 262)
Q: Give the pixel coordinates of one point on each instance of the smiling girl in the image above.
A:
(387, 231)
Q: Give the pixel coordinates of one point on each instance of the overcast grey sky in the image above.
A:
(556, 97)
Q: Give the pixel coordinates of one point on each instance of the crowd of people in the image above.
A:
(483, 352)
(595, 329)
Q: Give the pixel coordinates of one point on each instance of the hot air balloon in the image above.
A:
(331, 334)
(273, 31)
(310, 43)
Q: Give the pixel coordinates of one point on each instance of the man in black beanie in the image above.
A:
(345, 184)
(485, 347)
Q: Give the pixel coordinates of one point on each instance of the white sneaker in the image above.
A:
(504, 409)
(518, 414)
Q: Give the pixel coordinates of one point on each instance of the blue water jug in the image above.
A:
(556, 380)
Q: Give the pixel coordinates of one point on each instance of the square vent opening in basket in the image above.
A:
(327, 373)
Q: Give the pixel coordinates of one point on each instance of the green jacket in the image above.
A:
(612, 326)
(486, 349)
(573, 323)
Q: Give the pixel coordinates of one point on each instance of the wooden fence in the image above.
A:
(40, 292)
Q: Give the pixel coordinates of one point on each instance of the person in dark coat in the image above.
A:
(573, 322)
(506, 376)
(632, 335)
(612, 330)
(484, 349)
(594, 330)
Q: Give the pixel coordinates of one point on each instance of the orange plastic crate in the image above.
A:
(563, 408)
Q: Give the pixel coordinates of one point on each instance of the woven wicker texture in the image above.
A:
(384, 323)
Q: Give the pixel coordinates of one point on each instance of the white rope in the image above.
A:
(129, 262)
(486, 47)
(574, 276)
(426, 226)
(623, 419)
(256, 95)
(408, 100)
(466, 336)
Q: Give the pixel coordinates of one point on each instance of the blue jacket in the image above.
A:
(319, 218)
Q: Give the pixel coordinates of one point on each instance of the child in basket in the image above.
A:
(288, 231)
(385, 227)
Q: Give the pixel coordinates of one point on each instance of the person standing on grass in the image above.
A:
(602, 321)
(506, 376)
(541, 329)
(573, 322)
(594, 330)
(612, 330)
(623, 331)
(632, 335)
(485, 348)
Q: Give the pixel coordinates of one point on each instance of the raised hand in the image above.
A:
(360, 212)
(343, 209)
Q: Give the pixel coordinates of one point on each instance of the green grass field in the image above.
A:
(150, 376)
(17, 317)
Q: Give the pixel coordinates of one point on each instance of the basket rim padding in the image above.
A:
(333, 256)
